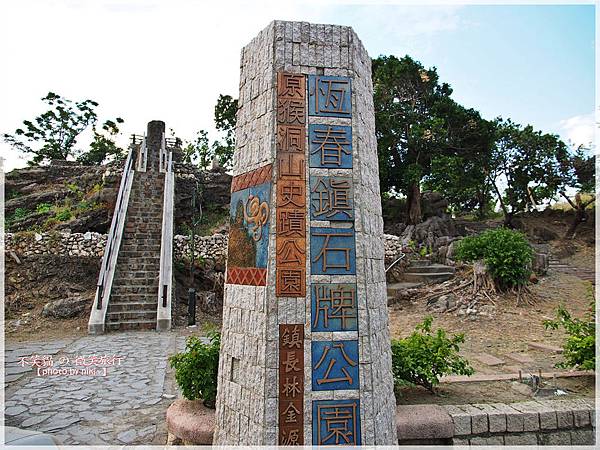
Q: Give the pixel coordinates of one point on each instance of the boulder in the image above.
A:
(66, 308)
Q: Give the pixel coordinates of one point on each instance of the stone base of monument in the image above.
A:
(525, 423)
(190, 422)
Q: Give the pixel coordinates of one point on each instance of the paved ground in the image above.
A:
(125, 406)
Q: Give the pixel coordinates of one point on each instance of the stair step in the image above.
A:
(115, 307)
(427, 278)
(119, 316)
(432, 268)
(392, 288)
(131, 325)
(134, 289)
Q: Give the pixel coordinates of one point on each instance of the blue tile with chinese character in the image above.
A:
(334, 307)
(330, 146)
(329, 96)
(334, 365)
(331, 198)
(332, 251)
(336, 422)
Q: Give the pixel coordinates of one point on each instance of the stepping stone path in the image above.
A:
(545, 347)
(584, 273)
(521, 357)
(488, 360)
(127, 406)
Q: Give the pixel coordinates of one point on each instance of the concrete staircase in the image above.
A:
(133, 298)
(422, 271)
(418, 273)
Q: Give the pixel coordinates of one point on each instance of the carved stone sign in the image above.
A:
(305, 350)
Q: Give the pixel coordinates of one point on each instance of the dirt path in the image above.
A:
(511, 327)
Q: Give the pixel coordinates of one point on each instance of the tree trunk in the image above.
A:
(413, 203)
(581, 214)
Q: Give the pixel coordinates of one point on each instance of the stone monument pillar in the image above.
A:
(305, 353)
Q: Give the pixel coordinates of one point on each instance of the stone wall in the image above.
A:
(92, 244)
(539, 422)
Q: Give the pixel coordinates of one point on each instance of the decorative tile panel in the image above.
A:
(336, 422)
(334, 365)
(331, 198)
(334, 307)
(332, 251)
(329, 96)
(291, 384)
(330, 146)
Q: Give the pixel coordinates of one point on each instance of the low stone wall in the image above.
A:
(540, 422)
(57, 243)
(92, 244)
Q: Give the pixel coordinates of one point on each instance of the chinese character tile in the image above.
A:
(330, 146)
(336, 422)
(332, 251)
(334, 307)
(331, 198)
(329, 96)
(334, 365)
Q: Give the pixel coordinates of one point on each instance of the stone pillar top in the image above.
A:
(154, 134)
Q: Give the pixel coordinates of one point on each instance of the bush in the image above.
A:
(43, 208)
(197, 367)
(506, 254)
(424, 356)
(579, 348)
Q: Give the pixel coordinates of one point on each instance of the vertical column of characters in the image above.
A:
(291, 384)
(290, 243)
(291, 185)
(334, 305)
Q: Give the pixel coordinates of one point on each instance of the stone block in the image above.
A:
(582, 437)
(564, 419)
(496, 418)
(555, 438)
(490, 440)
(479, 419)
(521, 439)
(423, 422)
(529, 412)
(460, 419)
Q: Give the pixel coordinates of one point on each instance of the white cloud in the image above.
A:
(579, 130)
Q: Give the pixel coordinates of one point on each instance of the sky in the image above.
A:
(169, 60)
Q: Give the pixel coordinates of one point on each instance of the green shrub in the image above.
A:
(43, 208)
(579, 347)
(506, 254)
(197, 367)
(424, 356)
(63, 214)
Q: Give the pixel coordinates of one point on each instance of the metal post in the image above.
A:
(191, 306)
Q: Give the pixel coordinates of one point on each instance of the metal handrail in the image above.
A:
(402, 255)
(165, 287)
(163, 154)
(113, 242)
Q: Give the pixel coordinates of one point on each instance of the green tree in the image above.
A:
(200, 152)
(225, 121)
(460, 169)
(103, 147)
(53, 134)
(580, 175)
(531, 165)
(420, 130)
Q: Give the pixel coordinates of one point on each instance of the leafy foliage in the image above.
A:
(103, 147)
(506, 253)
(533, 166)
(424, 356)
(197, 367)
(43, 207)
(419, 129)
(54, 134)
(579, 348)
